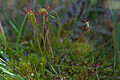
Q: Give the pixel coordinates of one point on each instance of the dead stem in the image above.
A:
(2, 31)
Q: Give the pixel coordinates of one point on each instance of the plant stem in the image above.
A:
(43, 30)
(59, 23)
(38, 40)
(50, 47)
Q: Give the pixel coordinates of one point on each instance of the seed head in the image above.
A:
(32, 17)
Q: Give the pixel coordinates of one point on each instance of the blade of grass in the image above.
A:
(4, 56)
(59, 23)
(14, 21)
(6, 71)
(2, 31)
(2, 35)
(3, 40)
(54, 69)
(12, 24)
(116, 38)
(19, 34)
(1, 78)
(10, 67)
(36, 72)
(8, 77)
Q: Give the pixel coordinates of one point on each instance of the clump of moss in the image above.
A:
(82, 48)
(34, 58)
(24, 67)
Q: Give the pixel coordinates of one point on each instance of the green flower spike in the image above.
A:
(31, 17)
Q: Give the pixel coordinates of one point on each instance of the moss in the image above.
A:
(34, 58)
(24, 67)
(82, 48)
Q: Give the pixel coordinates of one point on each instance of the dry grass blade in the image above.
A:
(2, 32)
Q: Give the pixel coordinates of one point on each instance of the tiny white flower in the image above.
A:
(32, 74)
(41, 63)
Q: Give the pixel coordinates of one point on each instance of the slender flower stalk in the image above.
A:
(59, 23)
(33, 20)
(50, 46)
(44, 12)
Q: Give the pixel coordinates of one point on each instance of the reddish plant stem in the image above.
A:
(50, 46)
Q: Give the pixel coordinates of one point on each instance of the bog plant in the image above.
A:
(44, 12)
(33, 20)
(37, 66)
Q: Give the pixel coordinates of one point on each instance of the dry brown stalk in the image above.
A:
(2, 31)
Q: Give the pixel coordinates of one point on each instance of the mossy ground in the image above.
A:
(78, 54)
